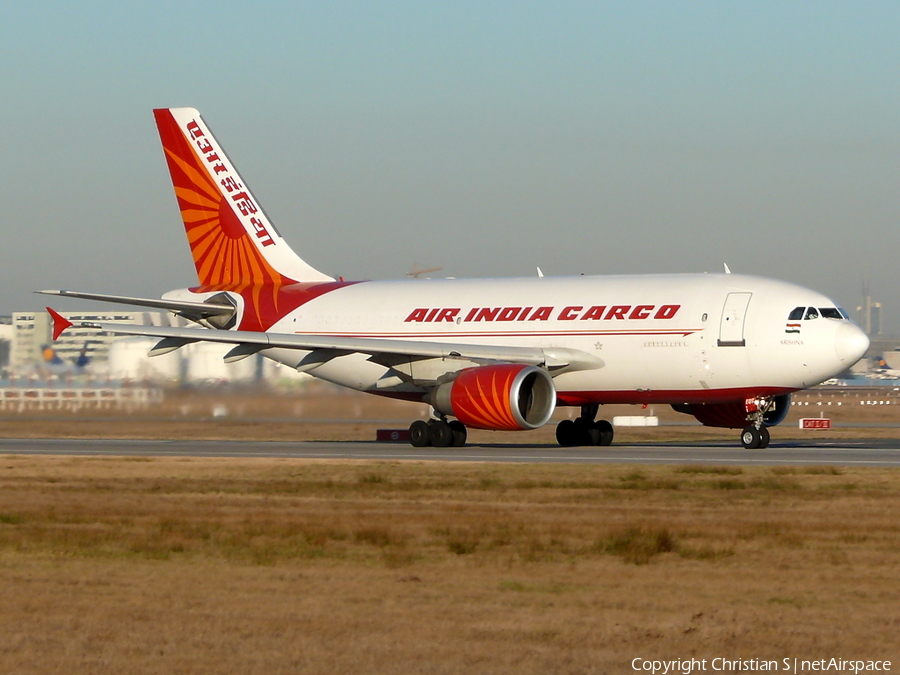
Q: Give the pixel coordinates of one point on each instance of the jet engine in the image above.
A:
(734, 415)
(506, 397)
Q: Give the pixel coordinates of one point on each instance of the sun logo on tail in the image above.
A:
(223, 252)
(210, 196)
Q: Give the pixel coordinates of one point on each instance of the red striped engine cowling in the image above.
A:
(505, 397)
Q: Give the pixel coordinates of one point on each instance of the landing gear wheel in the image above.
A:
(420, 434)
(459, 433)
(441, 434)
(763, 438)
(565, 433)
(586, 432)
(604, 432)
(751, 438)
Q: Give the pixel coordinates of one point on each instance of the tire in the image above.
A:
(565, 433)
(751, 438)
(459, 433)
(441, 435)
(585, 432)
(419, 434)
(605, 432)
(763, 438)
(588, 433)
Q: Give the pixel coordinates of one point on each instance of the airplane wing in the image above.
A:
(380, 350)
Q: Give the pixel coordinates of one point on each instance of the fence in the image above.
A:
(106, 398)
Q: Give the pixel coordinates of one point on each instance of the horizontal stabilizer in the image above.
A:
(180, 306)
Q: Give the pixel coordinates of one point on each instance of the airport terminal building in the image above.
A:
(32, 332)
(27, 339)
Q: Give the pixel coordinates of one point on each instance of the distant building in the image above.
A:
(6, 335)
(30, 330)
(875, 319)
(33, 331)
(125, 357)
(869, 313)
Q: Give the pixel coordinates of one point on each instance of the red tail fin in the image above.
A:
(232, 241)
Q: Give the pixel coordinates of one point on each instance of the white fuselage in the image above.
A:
(665, 338)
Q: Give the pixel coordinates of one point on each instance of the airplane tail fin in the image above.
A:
(49, 356)
(233, 243)
(83, 359)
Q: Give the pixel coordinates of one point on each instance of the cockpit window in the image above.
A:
(813, 313)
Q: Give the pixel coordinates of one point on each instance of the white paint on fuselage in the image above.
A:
(678, 354)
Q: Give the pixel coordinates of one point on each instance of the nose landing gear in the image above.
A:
(756, 435)
(584, 430)
(755, 438)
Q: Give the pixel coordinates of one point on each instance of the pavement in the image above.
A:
(845, 453)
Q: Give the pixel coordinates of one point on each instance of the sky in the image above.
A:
(487, 138)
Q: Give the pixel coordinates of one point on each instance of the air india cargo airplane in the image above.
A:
(496, 354)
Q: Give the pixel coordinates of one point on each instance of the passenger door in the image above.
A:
(731, 328)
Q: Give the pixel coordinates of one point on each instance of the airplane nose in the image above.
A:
(850, 343)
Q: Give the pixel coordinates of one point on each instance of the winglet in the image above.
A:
(59, 323)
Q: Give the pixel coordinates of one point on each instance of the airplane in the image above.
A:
(497, 354)
(54, 364)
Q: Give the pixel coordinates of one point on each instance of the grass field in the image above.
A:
(287, 566)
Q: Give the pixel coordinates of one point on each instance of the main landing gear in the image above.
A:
(584, 430)
(438, 433)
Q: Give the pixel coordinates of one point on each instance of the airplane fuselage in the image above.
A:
(656, 338)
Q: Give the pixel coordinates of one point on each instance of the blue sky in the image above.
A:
(485, 137)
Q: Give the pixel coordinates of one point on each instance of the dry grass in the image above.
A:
(286, 566)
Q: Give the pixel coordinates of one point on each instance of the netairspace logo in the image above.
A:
(786, 665)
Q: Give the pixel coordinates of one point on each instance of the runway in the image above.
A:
(846, 453)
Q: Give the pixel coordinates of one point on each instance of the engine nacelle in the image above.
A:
(734, 415)
(506, 397)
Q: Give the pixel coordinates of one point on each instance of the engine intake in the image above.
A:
(504, 397)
